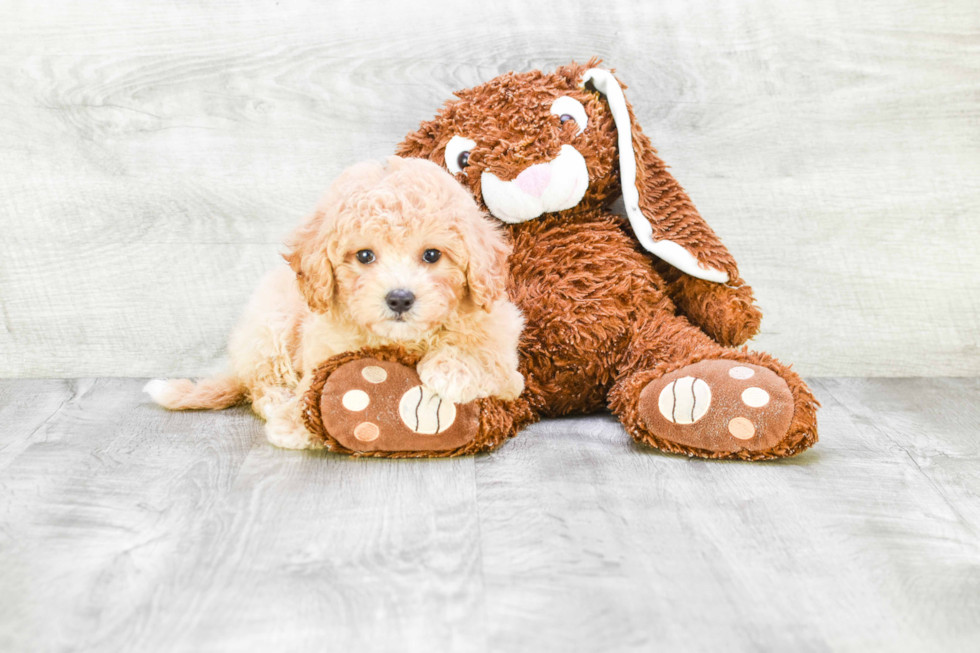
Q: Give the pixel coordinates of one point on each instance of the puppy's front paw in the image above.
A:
(450, 378)
(286, 434)
(512, 388)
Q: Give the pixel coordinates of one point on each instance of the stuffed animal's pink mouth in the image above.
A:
(542, 188)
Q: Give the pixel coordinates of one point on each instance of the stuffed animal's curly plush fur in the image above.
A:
(637, 313)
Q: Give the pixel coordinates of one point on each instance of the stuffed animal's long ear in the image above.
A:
(307, 257)
(660, 212)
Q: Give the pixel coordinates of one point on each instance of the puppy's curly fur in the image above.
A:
(330, 301)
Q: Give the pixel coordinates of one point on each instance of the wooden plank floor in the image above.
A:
(127, 528)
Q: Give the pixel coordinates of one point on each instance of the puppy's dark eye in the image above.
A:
(365, 256)
(565, 117)
(463, 160)
(431, 255)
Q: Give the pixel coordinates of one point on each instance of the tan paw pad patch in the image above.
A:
(685, 400)
(741, 373)
(741, 428)
(355, 400)
(366, 432)
(755, 397)
(374, 374)
(425, 412)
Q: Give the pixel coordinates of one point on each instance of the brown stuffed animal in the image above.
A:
(637, 313)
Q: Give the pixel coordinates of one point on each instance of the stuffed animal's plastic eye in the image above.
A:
(431, 255)
(568, 108)
(366, 256)
(458, 153)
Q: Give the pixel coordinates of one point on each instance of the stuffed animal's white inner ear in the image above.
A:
(666, 250)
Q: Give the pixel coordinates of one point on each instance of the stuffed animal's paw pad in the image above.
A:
(372, 405)
(718, 405)
(425, 412)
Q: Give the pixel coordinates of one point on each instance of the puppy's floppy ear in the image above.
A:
(488, 249)
(308, 258)
(311, 244)
(660, 212)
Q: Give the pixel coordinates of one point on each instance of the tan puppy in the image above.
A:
(397, 254)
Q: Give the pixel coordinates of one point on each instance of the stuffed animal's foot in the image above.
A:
(370, 405)
(724, 408)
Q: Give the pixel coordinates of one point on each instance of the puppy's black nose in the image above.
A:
(400, 300)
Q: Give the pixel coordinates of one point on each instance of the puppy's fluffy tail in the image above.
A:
(184, 394)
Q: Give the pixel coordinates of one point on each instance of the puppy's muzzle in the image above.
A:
(400, 300)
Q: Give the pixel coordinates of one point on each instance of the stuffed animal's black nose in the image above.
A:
(400, 300)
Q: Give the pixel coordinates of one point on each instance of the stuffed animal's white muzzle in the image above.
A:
(556, 185)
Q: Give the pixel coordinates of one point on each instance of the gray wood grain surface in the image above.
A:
(124, 527)
(154, 154)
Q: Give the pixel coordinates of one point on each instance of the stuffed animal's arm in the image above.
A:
(726, 312)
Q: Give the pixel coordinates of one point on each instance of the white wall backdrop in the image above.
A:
(153, 154)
